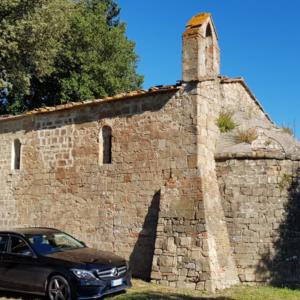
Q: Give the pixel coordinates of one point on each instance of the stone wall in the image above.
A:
(236, 98)
(159, 203)
(222, 268)
(181, 254)
(208, 261)
(110, 206)
(261, 204)
(162, 172)
(8, 178)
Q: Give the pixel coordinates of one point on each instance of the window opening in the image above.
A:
(106, 145)
(16, 159)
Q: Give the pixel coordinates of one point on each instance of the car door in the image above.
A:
(3, 248)
(22, 269)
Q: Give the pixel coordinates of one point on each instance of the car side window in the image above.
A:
(3, 243)
(19, 246)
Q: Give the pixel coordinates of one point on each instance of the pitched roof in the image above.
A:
(198, 20)
(70, 105)
(130, 95)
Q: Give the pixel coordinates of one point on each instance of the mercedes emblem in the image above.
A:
(114, 272)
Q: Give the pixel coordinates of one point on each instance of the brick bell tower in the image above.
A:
(201, 53)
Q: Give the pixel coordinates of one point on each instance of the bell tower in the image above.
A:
(200, 53)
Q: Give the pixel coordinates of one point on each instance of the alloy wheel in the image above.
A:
(59, 288)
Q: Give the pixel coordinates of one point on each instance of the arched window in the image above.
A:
(16, 155)
(208, 31)
(105, 145)
(209, 49)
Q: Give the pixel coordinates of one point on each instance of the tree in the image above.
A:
(56, 51)
(31, 35)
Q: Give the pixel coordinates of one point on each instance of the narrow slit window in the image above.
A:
(16, 157)
(209, 51)
(106, 137)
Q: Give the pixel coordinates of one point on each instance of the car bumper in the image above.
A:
(87, 291)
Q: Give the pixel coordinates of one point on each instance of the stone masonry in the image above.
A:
(261, 203)
(149, 175)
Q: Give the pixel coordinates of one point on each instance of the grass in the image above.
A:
(247, 135)
(147, 291)
(225, 122)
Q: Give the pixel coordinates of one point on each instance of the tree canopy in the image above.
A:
(56, 51)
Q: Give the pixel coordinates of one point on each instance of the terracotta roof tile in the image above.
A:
(70, 105)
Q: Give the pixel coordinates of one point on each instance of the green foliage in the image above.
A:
(285, 181)
(102, 51)
(55, 51)
(225, 122)
(247, 136)
(30, 37)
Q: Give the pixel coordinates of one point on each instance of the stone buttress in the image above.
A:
(192, 247)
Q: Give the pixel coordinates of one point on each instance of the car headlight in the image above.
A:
(84, 274)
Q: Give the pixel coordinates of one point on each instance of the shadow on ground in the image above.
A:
(19, 296)
(123, 296)
(164, 296)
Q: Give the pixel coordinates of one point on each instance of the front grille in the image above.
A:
(111, 273)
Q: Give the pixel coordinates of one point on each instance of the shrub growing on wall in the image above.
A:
(225, 122)
(246, 136)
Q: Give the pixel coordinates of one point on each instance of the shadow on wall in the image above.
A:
(282, 265)
(143, 251)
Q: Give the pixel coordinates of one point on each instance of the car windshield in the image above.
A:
(54, 242)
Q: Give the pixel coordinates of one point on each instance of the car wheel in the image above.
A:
(59, 288)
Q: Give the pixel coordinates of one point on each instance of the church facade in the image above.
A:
(153, 176)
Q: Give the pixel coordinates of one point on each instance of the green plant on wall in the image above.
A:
(285, 181)
(225, 122)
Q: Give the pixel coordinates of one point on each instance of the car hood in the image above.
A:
(88, 256)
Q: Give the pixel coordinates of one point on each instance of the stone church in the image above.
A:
(159, 177)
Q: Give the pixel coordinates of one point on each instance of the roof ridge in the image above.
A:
(120, 96)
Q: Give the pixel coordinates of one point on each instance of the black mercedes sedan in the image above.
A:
(51, 263)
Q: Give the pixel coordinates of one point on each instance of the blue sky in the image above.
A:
(259, 40)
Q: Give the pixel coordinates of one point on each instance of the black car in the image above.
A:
(50, 262)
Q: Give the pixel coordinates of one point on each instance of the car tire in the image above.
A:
(59, 288)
